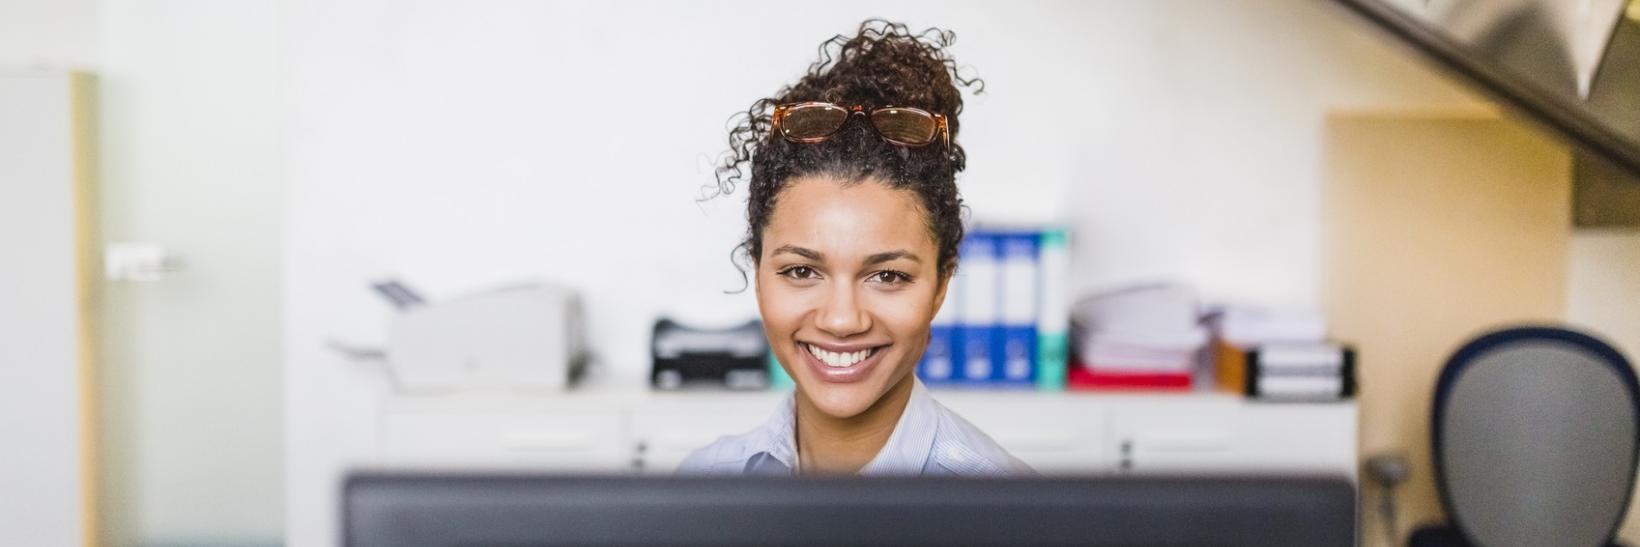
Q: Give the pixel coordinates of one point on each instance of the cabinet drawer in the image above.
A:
(664, 433)
(576, 440)
(1052, 434)
(1236, 437)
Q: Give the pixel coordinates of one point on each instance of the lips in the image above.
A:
(841, 366)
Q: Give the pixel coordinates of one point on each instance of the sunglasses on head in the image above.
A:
(813, 122)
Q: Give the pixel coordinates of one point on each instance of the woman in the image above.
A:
(854, 221)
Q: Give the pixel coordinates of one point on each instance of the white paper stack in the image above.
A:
(1150, 329)
(1248, 327)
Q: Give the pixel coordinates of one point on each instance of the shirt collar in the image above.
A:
(906, 452)
(779, 441)
(908, 448)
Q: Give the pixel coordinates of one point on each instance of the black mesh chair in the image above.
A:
(1534, 441)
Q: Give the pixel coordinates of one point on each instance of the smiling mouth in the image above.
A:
(835, 359)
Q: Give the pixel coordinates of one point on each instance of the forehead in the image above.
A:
(842, 219)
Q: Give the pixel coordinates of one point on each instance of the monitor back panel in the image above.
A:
(408, 510)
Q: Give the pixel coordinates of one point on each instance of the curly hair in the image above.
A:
(884, 64)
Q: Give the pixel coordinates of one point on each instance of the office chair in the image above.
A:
(1534, 441)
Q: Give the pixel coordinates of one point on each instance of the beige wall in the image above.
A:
(1437, 226)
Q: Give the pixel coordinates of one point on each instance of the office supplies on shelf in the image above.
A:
(978, 323)
(524, 337)
(1237, 330)
(1246, 325)
(1301, 372)
(1004, 321)
(1053, 309)
(1082, 378)
(1141, 337)
(1274, 355)
(1014, 343)
(684, 356)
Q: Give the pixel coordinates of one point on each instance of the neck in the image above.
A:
(832, 445)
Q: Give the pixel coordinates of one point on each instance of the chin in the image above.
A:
(841, 401)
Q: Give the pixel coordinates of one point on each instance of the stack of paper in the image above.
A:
(1144, 337)
(1279, 355)
(1308, 372)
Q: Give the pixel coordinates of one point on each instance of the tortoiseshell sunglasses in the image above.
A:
(813, 122)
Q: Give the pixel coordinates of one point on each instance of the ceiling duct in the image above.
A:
(1571, 65)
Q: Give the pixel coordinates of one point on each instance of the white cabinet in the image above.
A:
(1056, 433)
(1175, 436)
(1052, 432)
(504, 433)
(666, 427)
(1232, 435)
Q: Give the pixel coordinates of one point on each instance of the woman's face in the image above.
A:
(848, 282)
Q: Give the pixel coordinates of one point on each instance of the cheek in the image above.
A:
(782, 308)
(905, 315)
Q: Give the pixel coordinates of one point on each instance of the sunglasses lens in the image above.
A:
(905, 125)
(812, 121)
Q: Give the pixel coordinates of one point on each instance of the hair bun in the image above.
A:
(883, 64)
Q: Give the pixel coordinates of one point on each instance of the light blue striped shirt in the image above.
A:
(928, 440)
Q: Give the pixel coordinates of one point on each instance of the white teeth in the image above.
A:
(840, 360)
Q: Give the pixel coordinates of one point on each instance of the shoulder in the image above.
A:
(749, 452)
(724, 456)
(962, 449)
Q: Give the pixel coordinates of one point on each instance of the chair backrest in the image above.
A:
(1534, 438)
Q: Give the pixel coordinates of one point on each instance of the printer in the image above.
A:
(525, 337)
(688, 357)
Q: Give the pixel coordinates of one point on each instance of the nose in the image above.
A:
(842, 316)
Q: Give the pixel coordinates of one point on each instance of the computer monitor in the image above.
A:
(419, 510)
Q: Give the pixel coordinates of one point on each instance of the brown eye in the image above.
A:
(890, 277)
(800, 272)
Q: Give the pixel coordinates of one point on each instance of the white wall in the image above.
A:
(40, 416)
(190, 159)
(59, 34)
(458, 144)
(190, 375)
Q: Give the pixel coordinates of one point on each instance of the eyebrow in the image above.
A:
(810, 254)
(880, 258)
(872, 260)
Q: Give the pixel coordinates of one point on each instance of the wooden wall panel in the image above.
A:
(1436, 228)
